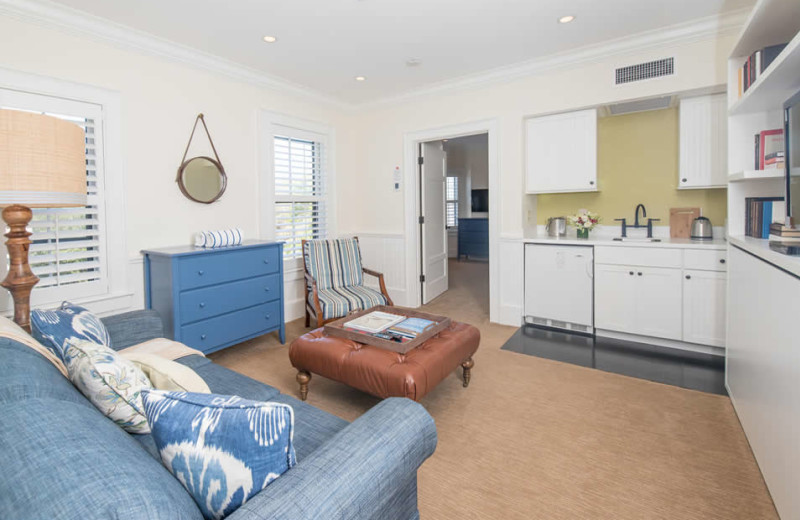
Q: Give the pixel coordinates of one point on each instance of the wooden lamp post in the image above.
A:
(42, 165)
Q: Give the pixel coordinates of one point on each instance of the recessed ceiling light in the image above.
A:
(413, 62)
(566, 19)
(361, 78)
(270, 39)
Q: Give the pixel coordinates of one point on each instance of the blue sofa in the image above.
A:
(62, 459)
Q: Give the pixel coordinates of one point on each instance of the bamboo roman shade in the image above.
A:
(42, 161)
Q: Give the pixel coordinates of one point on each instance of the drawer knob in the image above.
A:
(202, 305)
(202, 336)
(266, 260)
(722, 260)
(266, 289)
(266, 317)
(639, 273)
(688, 277)
(630, 273)
(201, 272)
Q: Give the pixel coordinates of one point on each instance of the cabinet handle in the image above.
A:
(202, 305)
(722, 260)
(683, 180)
(201, 272)
(591, 183)
(630, 273)
(639, 273)
(688, 277)
(202, 336)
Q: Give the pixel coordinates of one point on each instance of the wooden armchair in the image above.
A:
(335, 280)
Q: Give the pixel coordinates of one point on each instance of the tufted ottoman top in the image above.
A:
(384, 373)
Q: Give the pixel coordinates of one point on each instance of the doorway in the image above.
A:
(454, 219)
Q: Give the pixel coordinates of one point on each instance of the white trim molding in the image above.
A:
(411, 141)
(53, 15)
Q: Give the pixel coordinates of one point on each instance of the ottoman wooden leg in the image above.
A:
(467, 366)
(303, 378)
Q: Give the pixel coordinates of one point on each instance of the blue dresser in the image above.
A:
(473, 237)
(210, 299)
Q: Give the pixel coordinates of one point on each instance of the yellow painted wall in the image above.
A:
(637, 162)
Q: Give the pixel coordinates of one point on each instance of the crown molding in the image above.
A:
(684, 33)
(52, 15)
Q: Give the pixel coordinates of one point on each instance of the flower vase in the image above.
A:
(583, 233)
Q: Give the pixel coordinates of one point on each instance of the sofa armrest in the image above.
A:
(358, 473)
(133, 327)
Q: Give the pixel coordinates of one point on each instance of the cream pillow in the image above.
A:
(167, 375)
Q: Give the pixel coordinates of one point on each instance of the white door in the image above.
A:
(615, 297)
(561, 152)
(658, 302)
(433, 229)
(704, 307)
(558, 283)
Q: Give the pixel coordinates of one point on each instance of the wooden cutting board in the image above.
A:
(680, 221)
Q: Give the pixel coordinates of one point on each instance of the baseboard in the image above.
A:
(693, 347)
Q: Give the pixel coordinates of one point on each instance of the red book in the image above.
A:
(771, 142)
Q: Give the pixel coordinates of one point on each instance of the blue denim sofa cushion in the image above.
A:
(53, 328)
(223, 449)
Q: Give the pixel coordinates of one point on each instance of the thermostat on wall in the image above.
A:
(396, 178)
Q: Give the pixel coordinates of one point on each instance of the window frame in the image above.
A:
(272, 124)
(116, 294)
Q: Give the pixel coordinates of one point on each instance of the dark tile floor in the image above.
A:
(693, 370)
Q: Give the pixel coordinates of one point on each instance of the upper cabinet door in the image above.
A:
(561, 152)
(703, 142)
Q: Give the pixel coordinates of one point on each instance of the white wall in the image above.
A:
(160, 99)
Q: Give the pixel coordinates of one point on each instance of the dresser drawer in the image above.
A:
(200, 271)
(199, 304)
(644, 256)
(214, 332)
(705, 259)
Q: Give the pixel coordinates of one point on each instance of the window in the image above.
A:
(451, 204)
(300, 191)
(68, 247)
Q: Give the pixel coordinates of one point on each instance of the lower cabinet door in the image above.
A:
(658, 302)
(615, 298)
(704, 307)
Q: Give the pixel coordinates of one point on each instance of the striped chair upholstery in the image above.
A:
(336, 267)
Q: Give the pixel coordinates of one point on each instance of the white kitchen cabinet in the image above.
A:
(658, 302)
(561, 152)
(703, 142)
(704, 307)
(638, 300)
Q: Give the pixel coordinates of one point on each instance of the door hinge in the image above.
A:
(420, 160)
(422, 278)
(421, 220)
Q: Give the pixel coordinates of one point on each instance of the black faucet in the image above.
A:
(636, 224)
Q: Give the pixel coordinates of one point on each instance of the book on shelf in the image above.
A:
(769, 148)
(755, 65)
(761, 213)
(778, 230)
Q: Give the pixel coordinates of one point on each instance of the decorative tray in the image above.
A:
(337, 329)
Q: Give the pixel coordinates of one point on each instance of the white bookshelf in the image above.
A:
(749, 175)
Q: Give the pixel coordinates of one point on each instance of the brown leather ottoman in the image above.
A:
(384, 373)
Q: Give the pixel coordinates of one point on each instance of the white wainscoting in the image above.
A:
(512, 269)
(294, 293)
(386, 254)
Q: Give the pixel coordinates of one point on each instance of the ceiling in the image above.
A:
(324, 44)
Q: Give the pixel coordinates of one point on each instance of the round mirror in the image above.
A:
(202, 179)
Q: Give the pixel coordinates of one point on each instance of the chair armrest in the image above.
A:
(381, 282)
(356, 474)
(371, 272)
(133, 327)
(313, 284)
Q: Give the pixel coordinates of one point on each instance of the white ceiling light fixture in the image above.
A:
(566, 19)
(413, 62)
(270, 39)
(361, 78)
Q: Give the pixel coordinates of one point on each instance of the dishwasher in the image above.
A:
(559, 286)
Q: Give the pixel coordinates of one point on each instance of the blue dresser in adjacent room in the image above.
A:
(473, 238)
(210, 299)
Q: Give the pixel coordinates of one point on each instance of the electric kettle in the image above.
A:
(702, 229)
(556, 227)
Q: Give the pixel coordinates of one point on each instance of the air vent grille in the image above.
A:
(642, 71)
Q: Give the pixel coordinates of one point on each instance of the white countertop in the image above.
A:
(760, 248)
(665, 242)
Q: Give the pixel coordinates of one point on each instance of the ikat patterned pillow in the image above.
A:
(223, 449)
(53, 328)
(112, 383)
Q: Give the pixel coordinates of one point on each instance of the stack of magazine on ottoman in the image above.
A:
(392, 327)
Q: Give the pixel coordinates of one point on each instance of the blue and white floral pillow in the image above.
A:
(53, 328)
(223, 449)
(112, 383)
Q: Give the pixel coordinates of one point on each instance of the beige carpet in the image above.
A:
(534, 438)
